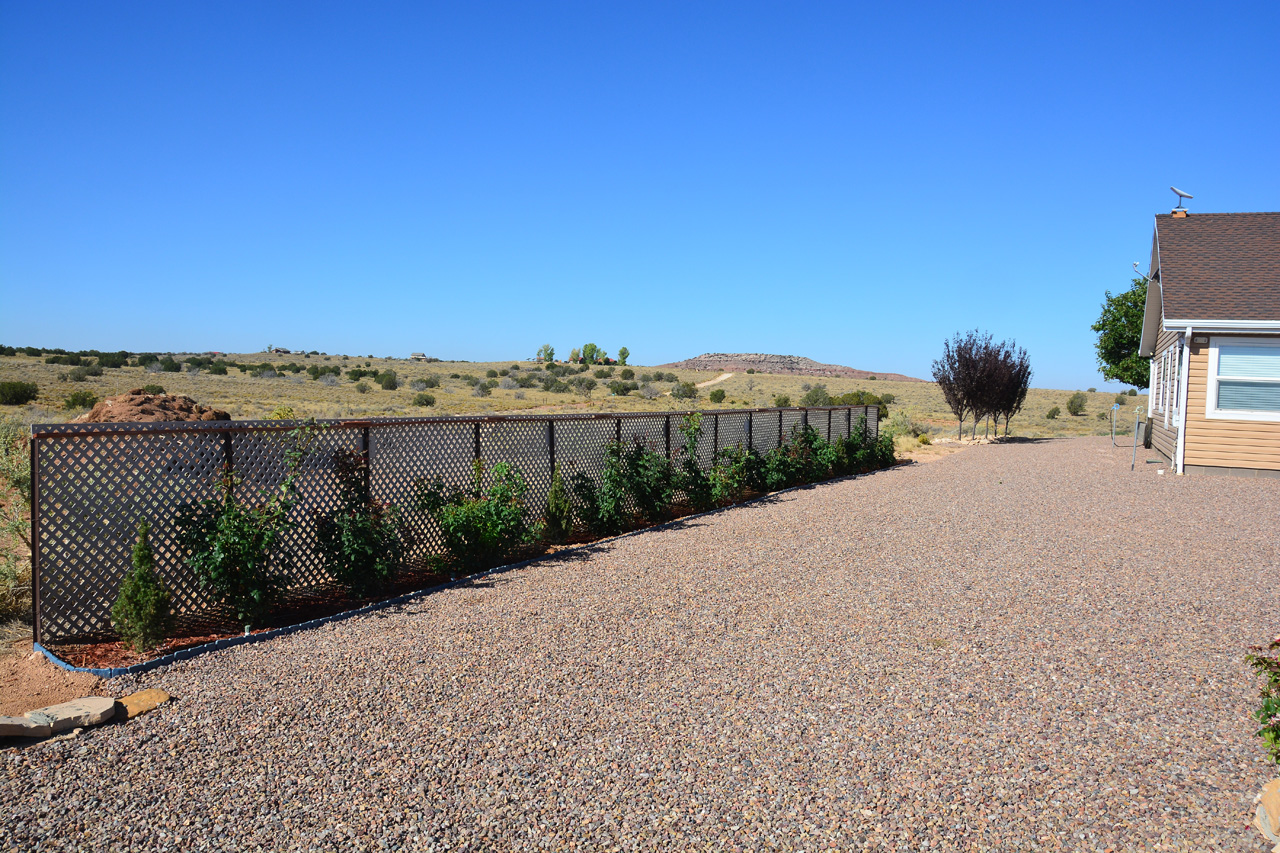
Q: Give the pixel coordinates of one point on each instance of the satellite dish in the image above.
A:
(1181, 195)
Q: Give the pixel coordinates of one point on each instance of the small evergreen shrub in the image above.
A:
(482, 390)
(362, 387)
(491, 373)
(559, 514)
(737, 470)
(431, 381)
(690, 478)
(751, 370)
(481, 526)
(80, 374)
(887, 398)
(717, 396)
(781, 401)
(362, 541)
(685, 391)
(387, 379)
(424, 399)
(1076, 403)
(646, 377)
(1093, 390)
(1053, 413)
(1133, 392)
(81, 400)
(281, 413)
(17, 393)
(153, 389)
(142, 614)
(627, 373)
(816, 396)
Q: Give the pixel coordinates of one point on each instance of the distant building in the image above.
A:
(418, 356)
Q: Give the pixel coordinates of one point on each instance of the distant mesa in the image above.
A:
(791, 365)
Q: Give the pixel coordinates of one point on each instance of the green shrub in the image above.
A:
(424, 399)
(230, 542)
(627, 373)
(1121, 400)
(737, 470)
(1093, 390)
(717, 396)
(805, 457)
(600, 508)
(1133, 392)
(142, 614)
(81, 400)
(1265, 660)
(603, 373)
(113, 360)
(559, 514)
(816, 396)
(17, 393)
(685, 391)
(431, 381)
(481, 526)
(168, 365)
(1076, 403)
(482, 389)
(491, 373)
(362, 539)
(362, 387)
(387, 379)
(218, 370)
(1102, 416)
(281, 413)
(152, 389)
(80, 374)
(1053, 413)
(751, 370)
(781, 401)
(71, 360)
(690, 478)
(887, 398)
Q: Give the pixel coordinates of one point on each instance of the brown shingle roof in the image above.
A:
(1220, 266)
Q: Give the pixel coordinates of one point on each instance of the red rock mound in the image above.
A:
(140, 407)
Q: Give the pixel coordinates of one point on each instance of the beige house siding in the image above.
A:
(1225, 444)
(1164, 439)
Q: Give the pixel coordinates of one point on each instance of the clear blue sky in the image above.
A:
(850, 182)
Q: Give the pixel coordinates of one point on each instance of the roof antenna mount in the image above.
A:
(1181, 195)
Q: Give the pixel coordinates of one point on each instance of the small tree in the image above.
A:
(1076, 403)
(547, 353)
(559, 514)
(816, 396)
(623, 355)
(142, 614)
(717, 396)
(1119, 329)
(574, 355)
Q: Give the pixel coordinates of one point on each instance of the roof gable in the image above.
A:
(1219, 266)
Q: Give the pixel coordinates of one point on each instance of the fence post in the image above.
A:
(551, 444)
(828, 426)
(666, 435)
(804, 420)
(715, 436)
(848, 422)
(779, 427)
(617, 430)
(368, 462)
(477, 440)
(228, 460)
(35, 539)
(750, 439)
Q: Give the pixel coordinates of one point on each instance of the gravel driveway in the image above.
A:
(1017, 647)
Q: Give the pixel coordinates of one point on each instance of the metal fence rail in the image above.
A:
(92, 484)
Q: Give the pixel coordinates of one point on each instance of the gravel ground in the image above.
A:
(1018, 647)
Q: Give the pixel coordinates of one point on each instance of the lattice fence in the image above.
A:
(94, 483)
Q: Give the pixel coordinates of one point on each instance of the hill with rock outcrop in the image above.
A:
(789, 365)
(140, 407)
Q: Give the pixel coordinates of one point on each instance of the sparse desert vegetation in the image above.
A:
(334, 386)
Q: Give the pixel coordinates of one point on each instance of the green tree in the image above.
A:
(623, 355)
(547, 353)
(574, 355)
(142, 614)
(1119, 329)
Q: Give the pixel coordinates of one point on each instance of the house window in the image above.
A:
(1164, 390)
(1244, 379)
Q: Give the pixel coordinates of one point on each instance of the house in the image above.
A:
(417, 356)
(1211, 327)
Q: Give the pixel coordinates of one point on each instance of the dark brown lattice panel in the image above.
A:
(95, 483)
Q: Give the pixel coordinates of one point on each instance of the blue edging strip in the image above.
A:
(186, 654)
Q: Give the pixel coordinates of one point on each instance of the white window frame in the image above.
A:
(1165, 390)
(1212, 412)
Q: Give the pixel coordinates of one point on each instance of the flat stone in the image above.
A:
(88, 711)
(23, 727)
(140, 703)
(1266, 818)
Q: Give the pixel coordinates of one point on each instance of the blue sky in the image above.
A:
(850, 182)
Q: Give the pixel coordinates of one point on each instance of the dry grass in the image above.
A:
(246, 398)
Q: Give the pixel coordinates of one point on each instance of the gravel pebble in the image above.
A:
(1018, 647)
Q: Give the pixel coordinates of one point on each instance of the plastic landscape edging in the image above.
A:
(248, 639)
